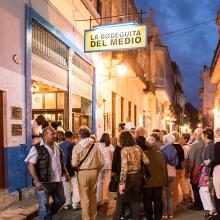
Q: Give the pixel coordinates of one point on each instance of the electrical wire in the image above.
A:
(192, 64)
(191, 27)
(183, 33)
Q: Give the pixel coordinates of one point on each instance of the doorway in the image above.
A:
(2, 158)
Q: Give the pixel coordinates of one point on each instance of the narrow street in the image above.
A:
(105, 213)
(181, 214)
(106, 96)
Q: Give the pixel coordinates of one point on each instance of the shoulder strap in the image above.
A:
(90, 149)
(37, 146)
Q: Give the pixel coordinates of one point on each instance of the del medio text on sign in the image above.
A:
(122, 36)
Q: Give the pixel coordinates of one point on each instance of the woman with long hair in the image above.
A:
(104, 178)
(130, 176)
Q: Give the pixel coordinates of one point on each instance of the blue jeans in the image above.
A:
(55, 190)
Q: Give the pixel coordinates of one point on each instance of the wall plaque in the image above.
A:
(16, 129)
(16, 113)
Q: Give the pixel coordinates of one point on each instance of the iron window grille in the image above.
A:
(48, 46)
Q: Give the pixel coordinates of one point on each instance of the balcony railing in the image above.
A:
(150, 87)
(162, 83)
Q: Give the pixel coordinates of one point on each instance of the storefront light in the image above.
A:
(215, 111)
(199, 125)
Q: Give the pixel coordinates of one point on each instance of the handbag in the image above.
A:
(196, 174)
(145, 173)
(113, 185)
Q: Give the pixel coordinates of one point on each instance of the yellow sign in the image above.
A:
(121, 36)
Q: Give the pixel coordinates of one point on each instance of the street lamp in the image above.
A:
(215, 111)
(121, 68)
(199, 125)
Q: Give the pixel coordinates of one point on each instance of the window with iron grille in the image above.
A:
(98, 5)
(83, 65)
(48, 46)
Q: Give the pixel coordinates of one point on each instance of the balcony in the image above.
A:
(164, 89)
(150, 87)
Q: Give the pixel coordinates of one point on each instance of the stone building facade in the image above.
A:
(207, 96)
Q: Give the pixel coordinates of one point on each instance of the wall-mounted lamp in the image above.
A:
(121, 68)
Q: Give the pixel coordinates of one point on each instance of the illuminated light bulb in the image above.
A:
(121, 69)
(215, 111)
(199, 125)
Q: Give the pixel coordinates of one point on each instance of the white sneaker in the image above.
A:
(66, 207)
(76, 206)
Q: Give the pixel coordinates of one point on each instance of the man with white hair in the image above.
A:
(195, 160)
(171, 157)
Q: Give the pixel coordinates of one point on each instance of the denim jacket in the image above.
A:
(170, 154)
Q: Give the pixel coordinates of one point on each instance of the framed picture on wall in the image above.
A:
(85, 120)
(37, 101)
(76, 122)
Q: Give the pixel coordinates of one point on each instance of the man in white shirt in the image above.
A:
(45, 163)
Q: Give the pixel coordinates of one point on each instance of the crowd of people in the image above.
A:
(77, 169)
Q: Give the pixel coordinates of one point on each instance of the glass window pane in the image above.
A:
(60, 100)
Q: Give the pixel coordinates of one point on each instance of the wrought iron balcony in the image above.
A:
(150, 87)
(163, 84)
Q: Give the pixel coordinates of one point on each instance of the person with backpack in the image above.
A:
(45, 163)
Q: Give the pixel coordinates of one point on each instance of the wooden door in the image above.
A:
(2, 164)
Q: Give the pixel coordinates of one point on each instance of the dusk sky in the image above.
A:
(190, 50)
